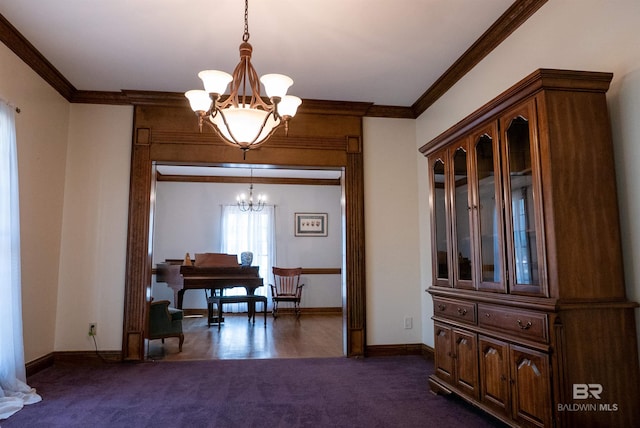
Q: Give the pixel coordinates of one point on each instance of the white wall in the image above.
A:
(393, 286)
(591, 35)
(188, 221)
(41, 130)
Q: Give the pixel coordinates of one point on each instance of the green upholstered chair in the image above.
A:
(165, 322)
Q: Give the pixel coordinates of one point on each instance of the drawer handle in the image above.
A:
(462, 312)
(442, 307)
(526, 326)
(487, 314)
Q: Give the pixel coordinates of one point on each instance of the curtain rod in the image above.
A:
(10, 105)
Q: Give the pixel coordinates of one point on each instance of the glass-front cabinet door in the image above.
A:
(461, 210)
(522, 201)
(487, 209)
(440, 225)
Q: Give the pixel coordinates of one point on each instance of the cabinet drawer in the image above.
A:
(455, 309)
(522, 323)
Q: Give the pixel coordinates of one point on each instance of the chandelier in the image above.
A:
(242, 119)
(245, 204)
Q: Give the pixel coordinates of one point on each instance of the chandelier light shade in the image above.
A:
(243, 119)
(248, 204)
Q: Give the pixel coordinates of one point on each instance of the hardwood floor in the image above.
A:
(312, 335)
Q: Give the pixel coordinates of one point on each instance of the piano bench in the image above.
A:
(250, 299)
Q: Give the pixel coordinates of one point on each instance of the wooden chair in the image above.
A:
(286, 287)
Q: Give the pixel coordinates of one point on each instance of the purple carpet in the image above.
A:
(328, 392)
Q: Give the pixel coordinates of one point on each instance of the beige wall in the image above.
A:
(94, 227)
(391, 224)
(41, 130)
(589, 35)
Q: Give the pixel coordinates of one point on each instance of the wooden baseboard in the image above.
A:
(33, 367)
(313, 311)
(72, 357)
(87, 357)
(402, 349)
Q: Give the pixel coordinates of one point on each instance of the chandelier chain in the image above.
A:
(245, 36)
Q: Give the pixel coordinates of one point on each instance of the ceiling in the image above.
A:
(388, 52)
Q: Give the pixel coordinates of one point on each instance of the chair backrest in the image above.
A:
(286, 280)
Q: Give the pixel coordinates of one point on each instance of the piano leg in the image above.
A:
(180, 298)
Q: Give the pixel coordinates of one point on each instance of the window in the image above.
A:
(250, 231)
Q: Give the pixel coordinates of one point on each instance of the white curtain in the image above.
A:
(14, 392)
(250, 231)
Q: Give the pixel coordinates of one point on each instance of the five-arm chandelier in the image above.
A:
(243, 119)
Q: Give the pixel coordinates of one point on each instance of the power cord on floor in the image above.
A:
(104, 360)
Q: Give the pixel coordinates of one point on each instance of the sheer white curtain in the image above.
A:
(14, 392)
(250, 231)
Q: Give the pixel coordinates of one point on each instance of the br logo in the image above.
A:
(583, 391)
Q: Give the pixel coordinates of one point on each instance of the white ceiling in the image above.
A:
(384, 51)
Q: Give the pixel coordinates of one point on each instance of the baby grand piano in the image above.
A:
(210, 271)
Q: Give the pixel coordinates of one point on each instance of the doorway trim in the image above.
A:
(318, 138)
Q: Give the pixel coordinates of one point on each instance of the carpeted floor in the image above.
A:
(307, 392)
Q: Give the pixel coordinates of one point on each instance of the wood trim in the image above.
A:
(390, 112)
(247, 180)
(355, 260)
(514, 17)
(394, 350)
(91, 357)
(39, 364)
(74, 357)
(15, 41)
(316, 140)
(321, 271)
(100, 97)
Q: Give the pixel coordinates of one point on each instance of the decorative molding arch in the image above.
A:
(168, 134)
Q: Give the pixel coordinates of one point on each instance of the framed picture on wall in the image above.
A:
(311, 224)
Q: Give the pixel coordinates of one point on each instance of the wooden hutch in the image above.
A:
(531, 319)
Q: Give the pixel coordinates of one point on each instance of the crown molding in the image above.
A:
(515, 16)
(15, 41)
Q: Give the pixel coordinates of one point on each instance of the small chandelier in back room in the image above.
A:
(245, 204)
(243, 120)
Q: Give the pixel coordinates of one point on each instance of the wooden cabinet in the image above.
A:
(528, 290)
(515, 382)
(456, 359)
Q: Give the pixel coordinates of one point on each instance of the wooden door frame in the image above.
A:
(321, 136)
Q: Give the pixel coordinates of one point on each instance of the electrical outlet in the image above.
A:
(408, 322)
(93, 329)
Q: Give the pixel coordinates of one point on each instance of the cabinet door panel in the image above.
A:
(461, 210)
(523, 200)
(487, 209)
(466, 361)
(443, 356)
(531, 392)
(440, 220)
(494, 374)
